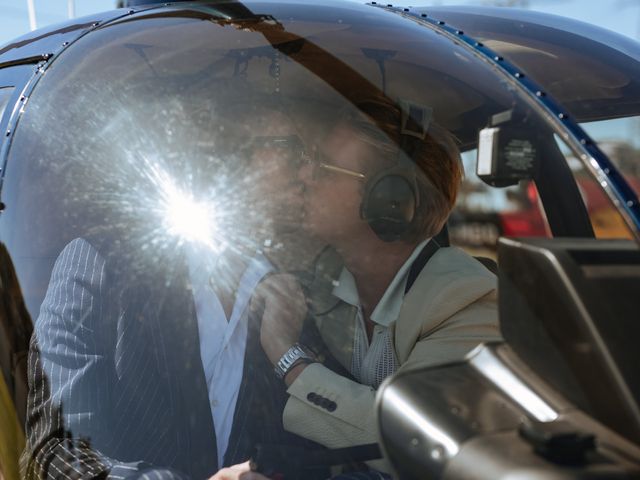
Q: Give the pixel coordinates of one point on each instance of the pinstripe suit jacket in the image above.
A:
(117, 388)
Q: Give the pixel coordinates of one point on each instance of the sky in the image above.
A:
(622, 16)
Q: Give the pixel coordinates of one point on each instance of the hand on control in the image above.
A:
(241, 471)
(285, 309)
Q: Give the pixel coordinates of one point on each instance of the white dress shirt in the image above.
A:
(372, 362)
(222, 340)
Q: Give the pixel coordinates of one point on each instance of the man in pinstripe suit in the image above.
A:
(121, 382)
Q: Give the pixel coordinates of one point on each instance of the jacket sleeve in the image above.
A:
(70, 377)
(337, 412)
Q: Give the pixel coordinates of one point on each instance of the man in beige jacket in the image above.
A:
(385, 295)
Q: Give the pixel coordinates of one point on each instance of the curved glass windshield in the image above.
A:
(619, 139)
(228, 224)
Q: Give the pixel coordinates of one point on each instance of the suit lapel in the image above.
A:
(179, 347)
(257, 409)
(238, 448)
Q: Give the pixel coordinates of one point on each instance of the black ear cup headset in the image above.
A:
(391, 200)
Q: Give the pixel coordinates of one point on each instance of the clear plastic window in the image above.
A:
(194, 189)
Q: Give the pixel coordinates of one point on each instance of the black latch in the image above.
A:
(559, 442)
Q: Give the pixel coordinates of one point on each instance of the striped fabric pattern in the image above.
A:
(117, 387)
(94, 381)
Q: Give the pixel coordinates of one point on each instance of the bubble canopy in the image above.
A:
(177, 145)
(155, 112)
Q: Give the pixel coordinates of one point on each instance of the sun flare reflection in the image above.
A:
(189, 219)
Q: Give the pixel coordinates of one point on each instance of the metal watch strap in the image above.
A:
(292, 358)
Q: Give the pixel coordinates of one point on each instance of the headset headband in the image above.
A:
(391, 202)
(415, 119)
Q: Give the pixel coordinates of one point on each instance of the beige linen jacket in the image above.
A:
(450, 309)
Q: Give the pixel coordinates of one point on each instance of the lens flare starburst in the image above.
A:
(189, 219)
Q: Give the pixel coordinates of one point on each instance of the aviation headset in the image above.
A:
(391, 200)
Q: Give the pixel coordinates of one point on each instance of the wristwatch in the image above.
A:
(296, 355)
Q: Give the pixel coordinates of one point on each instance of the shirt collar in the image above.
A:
(388, 308)
(203, 261)
(345, 288)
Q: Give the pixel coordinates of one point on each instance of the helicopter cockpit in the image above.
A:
(238, 224)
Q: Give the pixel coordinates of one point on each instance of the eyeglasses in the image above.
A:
(289, 147)
(320, 163)
(346, 171)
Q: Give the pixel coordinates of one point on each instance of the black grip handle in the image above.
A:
(288, 461)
